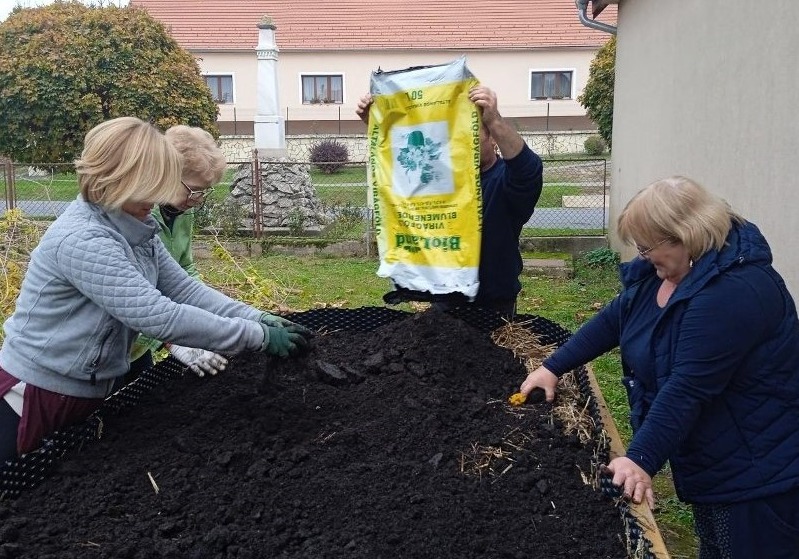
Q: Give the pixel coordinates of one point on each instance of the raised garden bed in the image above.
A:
(391, 438)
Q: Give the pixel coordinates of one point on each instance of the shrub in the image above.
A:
(348, 221)
(18, 237)
(295, 221)
(66, 67)
(220, 217)
(595, 145)
(329, 156)
(597, 97)
(601, 258)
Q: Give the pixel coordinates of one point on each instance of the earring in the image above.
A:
(691, 263)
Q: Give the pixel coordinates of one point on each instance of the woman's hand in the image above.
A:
(540, 378)
(634, 481)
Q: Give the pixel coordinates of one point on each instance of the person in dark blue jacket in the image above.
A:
(511, 182)
(709, 340)
(511, 185)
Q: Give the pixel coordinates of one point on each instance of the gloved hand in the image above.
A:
(198, 360)
(278, 321)
(285, 341)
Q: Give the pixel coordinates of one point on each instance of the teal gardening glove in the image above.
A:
(283, 337)
(274, 320)
(285, 341)
(278, 321)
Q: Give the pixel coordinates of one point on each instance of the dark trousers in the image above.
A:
(767, 528)
(9, 426)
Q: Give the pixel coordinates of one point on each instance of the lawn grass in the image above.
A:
(347, 186)
(348, 174)
(306, 282)
(55, 187)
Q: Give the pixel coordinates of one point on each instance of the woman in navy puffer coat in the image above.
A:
(709, 340)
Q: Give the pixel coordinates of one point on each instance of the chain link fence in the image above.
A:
(574, 200)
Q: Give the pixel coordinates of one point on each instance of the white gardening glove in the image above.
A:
(198, 360)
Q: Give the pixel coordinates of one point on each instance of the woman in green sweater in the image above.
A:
(203, 166)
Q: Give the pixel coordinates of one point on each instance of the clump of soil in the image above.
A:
(394, 443)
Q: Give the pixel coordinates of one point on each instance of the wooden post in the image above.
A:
(641, 511)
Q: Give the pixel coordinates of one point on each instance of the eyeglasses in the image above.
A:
(196, 195)
(644, 251)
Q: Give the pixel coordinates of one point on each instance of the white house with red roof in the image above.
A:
(534, 53)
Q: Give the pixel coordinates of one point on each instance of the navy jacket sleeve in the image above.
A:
(525, 180)
(597, 336)
(717, 331)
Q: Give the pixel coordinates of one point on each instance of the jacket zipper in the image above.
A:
(99, 354)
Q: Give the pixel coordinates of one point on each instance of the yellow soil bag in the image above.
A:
(424, 174)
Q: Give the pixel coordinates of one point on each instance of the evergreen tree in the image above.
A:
(597, 97)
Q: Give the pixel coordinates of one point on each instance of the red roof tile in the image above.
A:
(378, 24)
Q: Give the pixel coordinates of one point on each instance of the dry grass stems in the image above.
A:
(572, 412)
(480, 460)
(570, 407)
(526, 345)
(245, 283)
(18, 237)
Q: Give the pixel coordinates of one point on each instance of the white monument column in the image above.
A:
(270, 133)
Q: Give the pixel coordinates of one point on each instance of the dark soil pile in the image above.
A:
(396, 443)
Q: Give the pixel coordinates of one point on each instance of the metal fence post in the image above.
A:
(256, 195)
(10, 187)
(605, 216)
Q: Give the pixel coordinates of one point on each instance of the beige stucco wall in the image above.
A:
(708, 89)
(243, 67)
(506, 72)
(239, 148)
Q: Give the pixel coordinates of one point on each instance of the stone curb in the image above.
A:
(550, 268)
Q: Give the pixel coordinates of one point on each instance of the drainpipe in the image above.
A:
(582, 10)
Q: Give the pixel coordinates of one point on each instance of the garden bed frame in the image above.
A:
(644, 540)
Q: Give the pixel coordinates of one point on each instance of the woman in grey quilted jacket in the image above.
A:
(99, 276)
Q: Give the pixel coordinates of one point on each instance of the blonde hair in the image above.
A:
(128, 160)
(678, 209)
(202, 158)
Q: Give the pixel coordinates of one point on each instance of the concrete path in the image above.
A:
(569, 218)
(39, 208)
(547, 267)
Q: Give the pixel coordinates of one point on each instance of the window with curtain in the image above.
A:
(551, 85)
(221, 86)
(322, 89)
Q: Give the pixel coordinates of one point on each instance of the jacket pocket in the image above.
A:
(635, 397)
(101, 353)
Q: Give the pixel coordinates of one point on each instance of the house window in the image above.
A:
(322, 89)
(221, 87)
(551, 85)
